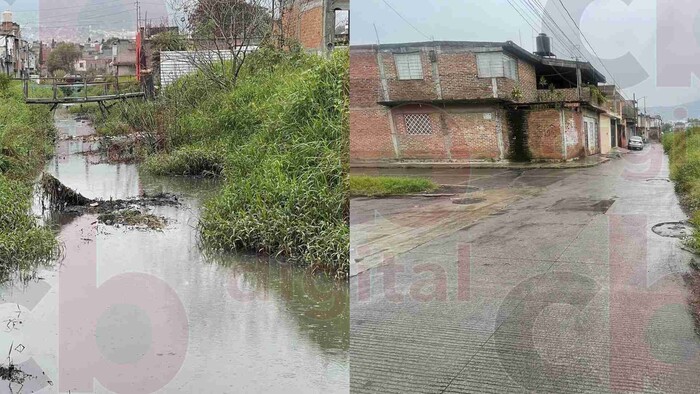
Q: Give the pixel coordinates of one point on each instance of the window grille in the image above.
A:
(408, 65)
(418, 124)
(496, 65)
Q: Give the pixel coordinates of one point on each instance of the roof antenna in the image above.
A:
(376, 33)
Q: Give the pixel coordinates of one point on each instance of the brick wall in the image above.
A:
(409, 90)
(304, 23)
(459, 133)
(453, 77)
(575, 136)
(421, 146)
(370, 134)
(474, 137)
(459, 78)
(366, 89)
(544, 133)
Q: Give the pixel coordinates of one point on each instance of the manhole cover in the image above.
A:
(673, 229)
(582, 205)
(658, 180)
(467, 201)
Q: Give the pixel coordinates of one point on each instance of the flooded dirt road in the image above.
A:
(129, 310)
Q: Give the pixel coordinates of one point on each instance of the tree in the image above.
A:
(234, 18)
(222, 32)
(63, 57)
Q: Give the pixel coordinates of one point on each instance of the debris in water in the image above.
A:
(130, 212)
(133, 218)
(61, 196)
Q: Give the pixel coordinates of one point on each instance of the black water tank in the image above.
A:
(544, 45)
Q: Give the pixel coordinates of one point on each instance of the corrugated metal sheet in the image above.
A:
(175, 64)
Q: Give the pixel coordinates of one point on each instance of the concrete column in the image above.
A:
(394, 137)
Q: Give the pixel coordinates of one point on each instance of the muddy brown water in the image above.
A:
(149, 311)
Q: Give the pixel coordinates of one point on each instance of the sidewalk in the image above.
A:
(590, 161)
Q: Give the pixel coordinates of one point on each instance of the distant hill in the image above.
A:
(669, 113)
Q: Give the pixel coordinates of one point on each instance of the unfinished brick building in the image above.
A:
(318, 25)
(466, 101)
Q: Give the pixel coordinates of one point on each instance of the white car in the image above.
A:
(635, 143)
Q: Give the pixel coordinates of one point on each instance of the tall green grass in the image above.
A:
(683, 149)
(287, 187)
(26, 140)
(279, 139)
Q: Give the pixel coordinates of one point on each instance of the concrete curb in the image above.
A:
(515, 166)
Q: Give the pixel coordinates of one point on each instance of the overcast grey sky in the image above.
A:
(623, 35)
(76, 19)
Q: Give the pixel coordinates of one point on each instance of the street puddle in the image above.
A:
(157, 307)
(673, 229)
(582, 205)
(468, 201)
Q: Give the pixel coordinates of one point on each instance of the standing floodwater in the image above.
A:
(133, 310)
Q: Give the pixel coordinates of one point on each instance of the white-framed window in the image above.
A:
(408, 65)
(418, 124)
(496, 65)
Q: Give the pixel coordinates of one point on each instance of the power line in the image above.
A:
(406, 20)
(591, 46)
(538, 6)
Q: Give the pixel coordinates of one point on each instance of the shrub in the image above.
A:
(192, 161)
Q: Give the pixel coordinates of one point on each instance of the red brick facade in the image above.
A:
(450, 75)
(467, 112)
(312, 22)
(304, 22)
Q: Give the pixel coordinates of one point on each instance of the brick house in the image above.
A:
(466, 101)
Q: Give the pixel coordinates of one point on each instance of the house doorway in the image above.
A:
(589, 126)
(613, 133)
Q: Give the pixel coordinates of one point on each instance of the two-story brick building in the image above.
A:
(466, 101)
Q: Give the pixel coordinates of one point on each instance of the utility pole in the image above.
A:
(579, 79)
(138, 15)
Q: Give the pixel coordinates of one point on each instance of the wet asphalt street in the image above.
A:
(546, 281)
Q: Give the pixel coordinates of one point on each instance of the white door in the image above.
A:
(591, 134)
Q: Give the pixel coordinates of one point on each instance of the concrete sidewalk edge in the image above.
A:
(473, 164)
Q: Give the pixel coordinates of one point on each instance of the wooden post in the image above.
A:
(86, 87)
(55, 92)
